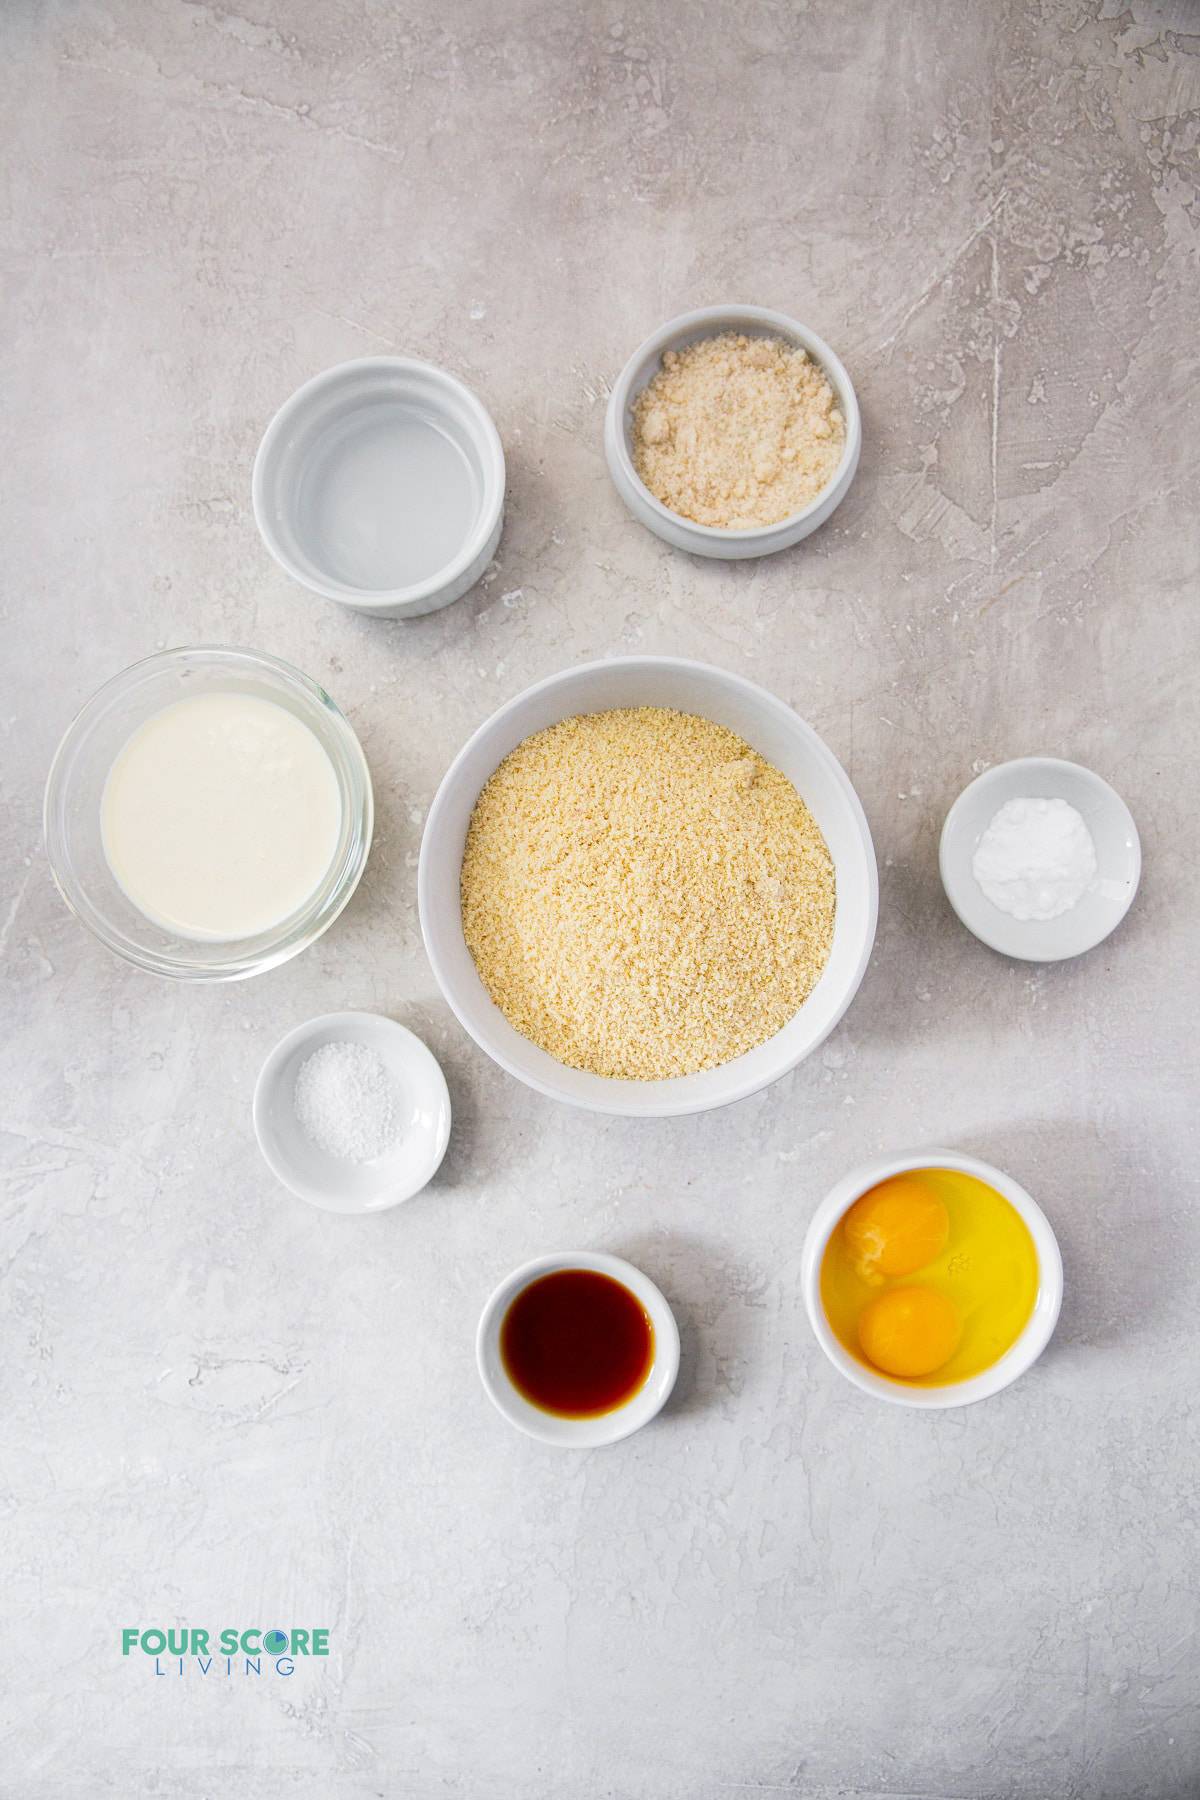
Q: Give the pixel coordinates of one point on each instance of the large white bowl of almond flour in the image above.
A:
(778, 735)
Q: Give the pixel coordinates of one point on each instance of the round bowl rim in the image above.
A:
(994, 777)
(349, 1021)
(367, 600)
(783, 323)
(270, 958)
(749, 1085)
(605, 1428)
(1016, 1360)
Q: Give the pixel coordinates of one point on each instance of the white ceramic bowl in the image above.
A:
(75, 789)
(605, 1428)
(380, 484)
(1019, 1357)
(643, 365)
(769, 727)
(1118, 858)
(327, 1181)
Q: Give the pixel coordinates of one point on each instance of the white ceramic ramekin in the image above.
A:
(1019, 1357)
(711, 540)
(768, 726)
(326, 1181)
(380, 484)
(605, 1428)
(1118, 858)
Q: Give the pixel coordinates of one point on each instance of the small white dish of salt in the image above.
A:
(352, 1112)
(1040, 858)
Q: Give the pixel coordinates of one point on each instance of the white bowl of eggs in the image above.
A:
(931, 1279)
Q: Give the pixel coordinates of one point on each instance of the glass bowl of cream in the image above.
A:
(208, 813)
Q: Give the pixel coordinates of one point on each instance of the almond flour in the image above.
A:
(644, 896)
(737, 432)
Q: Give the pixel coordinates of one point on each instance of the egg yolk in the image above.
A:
(896, 1228)
(909, 1331)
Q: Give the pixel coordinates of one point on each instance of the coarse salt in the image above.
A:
(347, 1102)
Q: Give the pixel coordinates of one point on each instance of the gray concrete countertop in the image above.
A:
(222, 1409)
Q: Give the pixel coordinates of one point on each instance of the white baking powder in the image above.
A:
(347, 1102)
(1036, 859)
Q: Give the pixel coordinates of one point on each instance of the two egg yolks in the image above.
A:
(896, 1229)
(978, 1286)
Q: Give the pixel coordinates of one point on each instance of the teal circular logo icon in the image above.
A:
(275, 1643)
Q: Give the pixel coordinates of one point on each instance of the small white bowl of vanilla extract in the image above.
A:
(578, 1349)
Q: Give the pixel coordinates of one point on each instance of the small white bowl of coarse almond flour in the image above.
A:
(352, 1112)
(1040, 858)
(733, 431)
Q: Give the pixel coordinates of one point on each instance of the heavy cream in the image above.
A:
(220, 816)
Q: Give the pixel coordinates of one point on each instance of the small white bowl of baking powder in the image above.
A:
(1040, 858)
(352, 1112)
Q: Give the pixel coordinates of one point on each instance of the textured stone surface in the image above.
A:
(222, 1408)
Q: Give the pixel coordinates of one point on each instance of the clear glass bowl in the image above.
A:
(75, 787)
